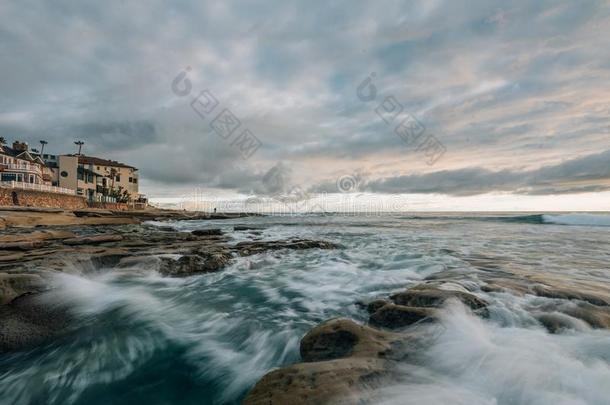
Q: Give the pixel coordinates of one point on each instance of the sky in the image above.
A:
(442, 104)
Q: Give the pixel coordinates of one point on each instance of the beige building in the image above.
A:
(112, 174)
(96, 178)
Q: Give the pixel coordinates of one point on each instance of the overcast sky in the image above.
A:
(514, 95)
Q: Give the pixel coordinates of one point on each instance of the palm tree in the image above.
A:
(113, 176)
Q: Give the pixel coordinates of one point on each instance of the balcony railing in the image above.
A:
(37, 187)
(22, 167)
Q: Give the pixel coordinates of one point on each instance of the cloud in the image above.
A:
(508, 88)
(586, 174)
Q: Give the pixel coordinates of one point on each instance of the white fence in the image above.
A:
(37, 187)
(26, 167)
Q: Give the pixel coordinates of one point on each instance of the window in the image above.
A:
(9, 177)
(131, 179)
(118, 178)
(135, 180)
(64, 174)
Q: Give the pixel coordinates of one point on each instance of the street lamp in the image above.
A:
(80, 145)
(43, 143)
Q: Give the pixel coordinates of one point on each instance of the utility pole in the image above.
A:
(80, 145)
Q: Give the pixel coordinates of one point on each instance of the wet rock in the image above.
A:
(255, 247)
(185, 265)
(16, 285)
(92, 240)
(207, 232)
(398, 316)
(572, 293)
(341, 381)
(340, 338)
(207, 262)
(247, 228)
(435, 298)
(595, 316)
(108, 259)
(344, 363)
(29, 321)
(373, 306)
(557, 322)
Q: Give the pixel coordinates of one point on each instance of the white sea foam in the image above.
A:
(577, 219)
(474, 361)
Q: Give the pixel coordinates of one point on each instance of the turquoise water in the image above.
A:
(206, 339)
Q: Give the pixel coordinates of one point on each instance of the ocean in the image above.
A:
(207, 339)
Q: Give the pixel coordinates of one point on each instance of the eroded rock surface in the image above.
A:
(344, 362)
(435, 297)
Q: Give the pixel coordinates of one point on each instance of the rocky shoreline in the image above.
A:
(342, 361)
(36, 245)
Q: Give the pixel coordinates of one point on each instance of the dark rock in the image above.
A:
(324, 344)
(338, 338)
(29, 321)
(247, 228)
(434, 298)
(207, 232)
(186, 265)
(398, 316)
(255, 247)
(373, 306)
(108, 259)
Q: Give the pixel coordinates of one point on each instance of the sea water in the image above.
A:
(206, 339)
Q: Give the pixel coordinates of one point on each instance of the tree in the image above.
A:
(2, 141)
(113, 175)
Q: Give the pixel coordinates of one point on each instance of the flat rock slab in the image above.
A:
(92, 240)
(252, 248)
(24, 245)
